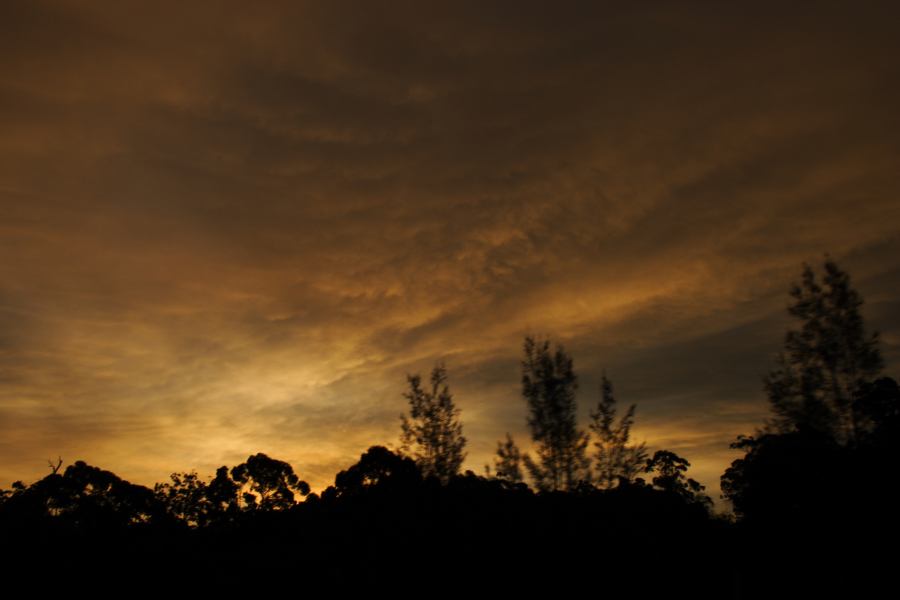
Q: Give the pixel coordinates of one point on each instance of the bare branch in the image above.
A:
(55, 468)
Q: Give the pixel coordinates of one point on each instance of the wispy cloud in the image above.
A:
(228, 231)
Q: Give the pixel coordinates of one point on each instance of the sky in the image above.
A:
(230, 227)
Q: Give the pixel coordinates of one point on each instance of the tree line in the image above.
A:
(813, 476)
(432, 434)
(826, 391)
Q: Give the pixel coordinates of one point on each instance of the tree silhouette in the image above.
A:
(85, 497)
(549, 385)
(785, 476)
(222, 495)
(508, 461)
(378, 467)
(835, 425)
(825, 363)
(185, 498)
(269, 484)
(432, 433)
(876, 413)
(807, 475)
(669, 470)
(615, 459)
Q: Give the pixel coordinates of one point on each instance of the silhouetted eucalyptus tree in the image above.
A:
(222, 495)
(185, 498)
(670, 470)
(85, 497)
(269, 484)
(378, 468)
(432, 433)
(615, 459)
(549, 385)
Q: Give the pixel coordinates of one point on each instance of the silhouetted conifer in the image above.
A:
(508, 462)
(827, 444)
(432, 432)
(615, 459)
(827, 361)
(549, 385)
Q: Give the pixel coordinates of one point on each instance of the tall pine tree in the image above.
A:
(827, 361)
(615, 459)
(432, 433)
(549, 385)
(508, 461)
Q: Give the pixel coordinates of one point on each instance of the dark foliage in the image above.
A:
(549, 384)
(827, 361)
(813, 491)
(82, 498)
(615, 458)
(432, 432)
(378, 470)
(508, 462)
(669, 471)
(267, 483)
(382, 523)
(835, 422)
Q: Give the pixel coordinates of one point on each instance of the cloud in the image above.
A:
(228, 231)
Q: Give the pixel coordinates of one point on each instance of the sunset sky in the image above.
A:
(234, 227)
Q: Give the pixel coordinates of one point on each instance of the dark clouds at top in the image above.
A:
(231, 228)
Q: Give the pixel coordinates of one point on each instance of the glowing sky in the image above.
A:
(233, 228)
